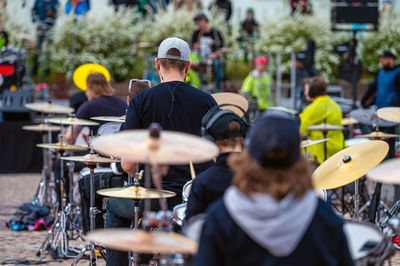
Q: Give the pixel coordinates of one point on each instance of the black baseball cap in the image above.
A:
(200, 16)
(274, 140)
(388, 54)
(220, 129)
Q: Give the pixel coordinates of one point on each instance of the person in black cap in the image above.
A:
(208, 42)
(227, 130)
(271, 215)
(385, 91)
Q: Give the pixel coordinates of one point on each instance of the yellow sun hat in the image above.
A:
(82, 72)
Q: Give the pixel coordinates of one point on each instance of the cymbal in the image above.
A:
(232, 98)
(51, 108)
(41, 127)
(355, 141)
(281, 108)
(378, 135)
(306, 143)
(174, 148)
(349, 121)
(125, 239)
(367, 117)
(349, 164)
(324, 127)
(135, 193)
(83, 71)
(120, 119)
(62, 146)
(72, 121)
(90, 158)
(389, 113)
(388, 172)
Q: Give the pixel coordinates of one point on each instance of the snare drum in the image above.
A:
(322, 194)
(186, 190)
(367, 245)
(178, 213)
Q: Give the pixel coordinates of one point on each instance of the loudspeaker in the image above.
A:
(351, 11)
(13, 105)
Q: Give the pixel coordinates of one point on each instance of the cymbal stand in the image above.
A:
(356, 200)
(93, 211)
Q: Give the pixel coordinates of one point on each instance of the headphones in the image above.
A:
(215, 113)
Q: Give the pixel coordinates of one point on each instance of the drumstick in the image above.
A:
(192, 172)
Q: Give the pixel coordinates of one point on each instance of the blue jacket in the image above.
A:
(386, 92)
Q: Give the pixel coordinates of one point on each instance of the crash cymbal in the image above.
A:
(389, 113)
(120, 119)
(41, 128)
(125, 239)
(324, 127)
(82, 72)
(46, 107)
(349, 121)
(378, 135)
(62, 146)
(281, 108)
(349, 164)
(306, 143)
(90, 158)
(72, 121)
(135, 193)
(368, 117)
(232, 98)
(387, 172)
(174, 148)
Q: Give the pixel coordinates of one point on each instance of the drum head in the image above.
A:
(361, 238)
(186, 190)
(179, 213)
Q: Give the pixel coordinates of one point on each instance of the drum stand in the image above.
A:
(93, 211)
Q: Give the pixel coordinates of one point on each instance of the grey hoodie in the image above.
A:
(278, 226)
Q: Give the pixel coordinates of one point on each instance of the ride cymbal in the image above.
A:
(125, 239)
(349, 164)
(368, 117)
(388, 172)
(324, 127)
(232, 98)
(62, 146)
(72, 121)
(136, 193)
(120, 119)
(46, 107)
(378, 135)
(41, 128)
(306, 143)
(90, 158)
(281, 108)
(349, 121)
(391, 114)
(171, 148)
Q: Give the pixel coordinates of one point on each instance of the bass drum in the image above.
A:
(367, 245)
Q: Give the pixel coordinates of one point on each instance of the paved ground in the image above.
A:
(21, 247)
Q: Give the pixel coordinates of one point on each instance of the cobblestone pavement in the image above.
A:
(21, 247)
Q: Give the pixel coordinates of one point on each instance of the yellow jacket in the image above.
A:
(322, 110)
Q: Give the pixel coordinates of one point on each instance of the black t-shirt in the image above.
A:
(102, 106)
(217, 42)
(176, 106)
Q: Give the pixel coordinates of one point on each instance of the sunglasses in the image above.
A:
(138, 80)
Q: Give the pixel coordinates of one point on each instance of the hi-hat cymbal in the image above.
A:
(349, 164)
(173, 148)
(135, 193)
(41, 127)
(232, 98)
(378, 135)
(306, 143)
(72, 121)
(349, 121)
(388, 172)
(389, 113)
(367, 117)
(120, 119)
(62, 146)
(324, 127)
(125, 239)
(90, 158)
(46, 107)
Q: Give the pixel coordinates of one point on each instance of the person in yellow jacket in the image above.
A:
(322, 110)
(257, 84)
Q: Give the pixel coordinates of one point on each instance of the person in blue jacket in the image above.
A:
(271, 215)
